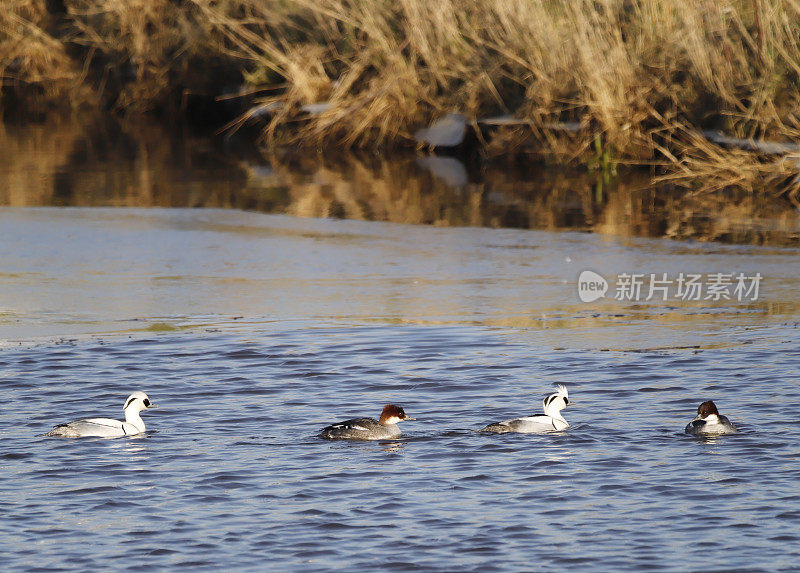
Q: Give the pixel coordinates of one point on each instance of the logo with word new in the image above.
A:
(591, 286)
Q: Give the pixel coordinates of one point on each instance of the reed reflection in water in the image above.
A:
(143, 165)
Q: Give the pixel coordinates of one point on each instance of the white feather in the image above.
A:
(108, 427)
(552, 420)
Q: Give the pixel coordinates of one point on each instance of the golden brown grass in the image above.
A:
(642, 77)
(32, 62)
(147, 47)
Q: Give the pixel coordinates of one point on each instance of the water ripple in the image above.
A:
(231, 472)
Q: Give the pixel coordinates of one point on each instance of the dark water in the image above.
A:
(253, 331)
(231, 475)
(102, 163)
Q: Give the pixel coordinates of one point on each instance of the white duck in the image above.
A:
(550, 421)
(107, 427)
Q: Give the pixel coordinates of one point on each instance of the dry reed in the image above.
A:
(642, 77)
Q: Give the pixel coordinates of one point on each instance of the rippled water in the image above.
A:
(252, 332)
(231, 474)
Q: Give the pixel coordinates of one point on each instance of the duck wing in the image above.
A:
(722, 426)
(348, 428)
(695, 427)
(730, 428)
(526, 425)
(90, 427)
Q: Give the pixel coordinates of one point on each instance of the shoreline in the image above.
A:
(701, 99)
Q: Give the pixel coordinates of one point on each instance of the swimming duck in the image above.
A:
(709, 421)
(107, 427)
(368, 428)
(550, 421)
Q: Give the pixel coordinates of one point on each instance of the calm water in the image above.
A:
(253, 331)
(101, 163)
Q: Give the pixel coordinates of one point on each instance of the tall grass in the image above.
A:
(642, 77)
(34, 65)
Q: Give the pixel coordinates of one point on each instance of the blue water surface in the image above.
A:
(230, 472)
(252, 332)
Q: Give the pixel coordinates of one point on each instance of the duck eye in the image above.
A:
(566, 400)
(147, 403)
